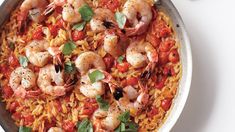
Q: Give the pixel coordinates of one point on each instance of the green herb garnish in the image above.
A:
(121, 19)
(12, 46)
(120, 59)
(68, 48)
(84, 126)
(79, 26)
(126, 125)
(104, 105)
(96, 76)
(23, 61)
(24, 129)
(86, 12)
(69, 67)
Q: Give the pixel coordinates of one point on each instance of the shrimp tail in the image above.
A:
(50, 8)
(23, 21)
(33, 93)
(149, 70)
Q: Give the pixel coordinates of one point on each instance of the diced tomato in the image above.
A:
(154, 111)
(57, 104)
(174, 56)
(154, 40)
(132, 81)
(109, 61)
(53, 30)
(123, 67)
(38, 34)
(28, 119)
(48, 125)
(78, 35)
(169, 71)
(4, 68)
(68, 126)
(163, 58)
(89, 107)
(110, 4)
(165, 32)
(166, 104)
(166, 45)
(124, 83)
(58, 9)
(60, 23)
(7, 91)
(13, 61)
(161, 82)
(13, 106)
(16, 116)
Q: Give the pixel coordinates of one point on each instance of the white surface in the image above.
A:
(211, 27)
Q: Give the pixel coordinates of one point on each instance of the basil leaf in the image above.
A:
(96, 76)
(68, 48)
(69, 67)
(131, 127)
(121, 19)
(124, 117)
(79, 26)
(11, 46)
(84, 126)
(86, 12)
(23, 61)
(104, 105)
(120, 59)
(24, 129)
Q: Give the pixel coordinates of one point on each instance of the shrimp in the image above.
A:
(35, 10)
(131, 10)
(89, 89)
(21, 80)
(70, 9)
(49, 74)
(55, 129)
(102, 20)
(87, 60)
(107, 120)
(36, 52)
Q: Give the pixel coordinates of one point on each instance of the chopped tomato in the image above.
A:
(7, 91)
(132, 81)
(78, 35)
(89, 107)
(109, 61)
(13, 61)
(38, 34)
(169, 71)
(154, 40)
(123, 67)
(16, 116)
(161, 82)
(48, 125)
(166, 104)
(163, 58)
(53, 30)
(68, 126)
(5, 70)
(58, 9)
(174, 56)
(124, 83)
(165, 32)
(28, 119)
(60, 23)
(110, 4)
(166, 45)
(13, 106)
(154, 111)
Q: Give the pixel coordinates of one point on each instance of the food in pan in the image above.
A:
(89, 65)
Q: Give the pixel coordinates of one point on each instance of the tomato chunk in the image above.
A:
(163, 58)
(7, 91)
(110, 4)
(109, 61)
(28, 119)
(166, 45)
(13, 61)
(78, 35)
(154, 111)
(165, 32)
(13, 106)
(38, 34)
(123, 67)
(68, 126)
(166, 104)
(174, 56)
(132, 81)
(16, 116)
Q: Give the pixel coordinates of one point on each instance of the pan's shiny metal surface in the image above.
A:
(185, 52)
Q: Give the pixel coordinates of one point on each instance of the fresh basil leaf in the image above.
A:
(11, 46)
(120, 59)
(124, 117)
(24, 129)
(69, 67)
(79, 26)
(121, 19)
(86, 12)
(84, 126)
(23, 61)
(131, 127)
(68, 48)
(104, 105)
(96, 76)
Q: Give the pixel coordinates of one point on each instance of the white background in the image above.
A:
(211, 103)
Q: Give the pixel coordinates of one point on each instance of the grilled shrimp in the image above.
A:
(89, 89)
(36, 52)
(55, 129)
(135, 54)
(35, 10)
(107, 120)
(70, 9)
(102, 20)
(88, 60)
(52, 74)
(21, 80)
(131, 10)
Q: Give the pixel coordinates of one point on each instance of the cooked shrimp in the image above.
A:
(55, 129)
(131, 10)
(112, 46)
(107, 120)
(89, 89)
(70, 9)
(36, 52)
(33, 7)
(135, 54)
(88, 60)
(49, 74)
(102, 20)
(21, 80)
